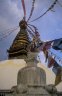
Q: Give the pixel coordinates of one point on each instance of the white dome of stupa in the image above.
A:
(9, 70)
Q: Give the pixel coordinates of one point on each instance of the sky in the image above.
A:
(11, 12)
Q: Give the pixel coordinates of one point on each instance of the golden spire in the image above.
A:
(20, 43)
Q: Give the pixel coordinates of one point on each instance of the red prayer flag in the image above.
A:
(23, 4)
(50, 61)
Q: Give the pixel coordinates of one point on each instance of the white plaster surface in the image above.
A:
(10, 68)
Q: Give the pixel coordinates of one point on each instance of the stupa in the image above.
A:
(31, 80)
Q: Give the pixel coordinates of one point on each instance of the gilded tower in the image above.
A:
(19, 46)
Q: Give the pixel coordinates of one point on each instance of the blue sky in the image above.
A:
(11, 12)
